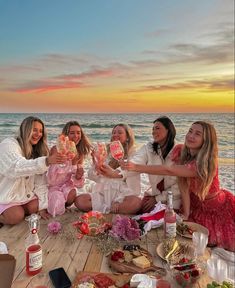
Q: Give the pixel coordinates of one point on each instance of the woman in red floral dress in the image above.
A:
(203, 200)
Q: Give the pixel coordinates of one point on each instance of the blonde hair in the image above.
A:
(206, 160)
(128, 146)
(24, 136)
(84, 145)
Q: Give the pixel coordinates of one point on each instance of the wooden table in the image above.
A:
(74, 256)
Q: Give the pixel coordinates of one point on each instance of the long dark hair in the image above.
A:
(170, 140)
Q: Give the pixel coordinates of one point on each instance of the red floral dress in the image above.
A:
(216, 212)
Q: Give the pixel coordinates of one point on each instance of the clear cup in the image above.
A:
(217, 269)
(200, 241)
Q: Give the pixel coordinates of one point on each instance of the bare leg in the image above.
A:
(13, 215)
(130, 205)
(71, 197)
(83, 202)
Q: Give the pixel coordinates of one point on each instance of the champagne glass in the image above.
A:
(116, 150)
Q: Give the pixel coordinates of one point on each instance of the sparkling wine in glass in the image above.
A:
(116, 150)
(61, 145)
(71, 149)
(99, 153)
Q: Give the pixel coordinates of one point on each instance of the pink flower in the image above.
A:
(125, 228)
(54, 227)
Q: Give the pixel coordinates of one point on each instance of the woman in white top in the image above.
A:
(159, 152)
(115, 190)
(23, 163)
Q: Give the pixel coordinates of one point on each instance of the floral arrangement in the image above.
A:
(54, 227)
(125, 228)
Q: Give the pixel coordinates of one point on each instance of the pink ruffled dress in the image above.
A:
(216, 212)
(61, 181)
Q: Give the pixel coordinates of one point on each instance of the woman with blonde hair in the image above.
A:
(65, 182)
(114, 190)
(203, 200)
(23, 163)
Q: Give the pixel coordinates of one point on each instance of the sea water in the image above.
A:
(98, 128)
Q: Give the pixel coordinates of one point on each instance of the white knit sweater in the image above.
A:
(21, 179)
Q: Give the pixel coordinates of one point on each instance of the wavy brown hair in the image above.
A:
(128, 146)
(24, 136)
(84, 145)
(206, 160)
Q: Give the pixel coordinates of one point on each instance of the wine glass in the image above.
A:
(71, 149)
(99, 153)
(61, 146)
(116, 150)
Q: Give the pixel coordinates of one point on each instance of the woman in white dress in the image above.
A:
(114, 190)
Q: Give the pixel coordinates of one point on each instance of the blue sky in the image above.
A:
(117, 49)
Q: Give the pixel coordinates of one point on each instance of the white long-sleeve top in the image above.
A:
(21, 179)
(146, 156)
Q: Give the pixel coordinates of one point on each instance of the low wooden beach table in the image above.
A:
(73, 256)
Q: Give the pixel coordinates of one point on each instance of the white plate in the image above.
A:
(189, 252)
(195, 227)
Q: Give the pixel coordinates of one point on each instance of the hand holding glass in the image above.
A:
(99, 153)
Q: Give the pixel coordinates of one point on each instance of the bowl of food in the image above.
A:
(186, 273)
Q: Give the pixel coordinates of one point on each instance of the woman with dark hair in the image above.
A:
(23, 163)
(65, 182)
(158, 152)
(203, 200)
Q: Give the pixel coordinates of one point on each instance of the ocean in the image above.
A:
(98, 128)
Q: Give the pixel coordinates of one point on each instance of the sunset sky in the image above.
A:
(116, 56)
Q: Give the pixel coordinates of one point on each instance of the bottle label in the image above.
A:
(170, 230)
(35, 260)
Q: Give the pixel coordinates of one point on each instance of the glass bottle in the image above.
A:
(170, 218)
(33, 247)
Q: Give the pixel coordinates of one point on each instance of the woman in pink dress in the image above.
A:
(203, 200)
(64, 182)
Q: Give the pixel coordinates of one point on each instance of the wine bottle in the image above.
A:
(33, 247)
(170, 218)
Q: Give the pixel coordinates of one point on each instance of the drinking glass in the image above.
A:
(217, 269)
(116, 150)
(61, 146)
(200, 241)
(99, 153)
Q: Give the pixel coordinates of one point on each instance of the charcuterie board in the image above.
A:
(137, 261)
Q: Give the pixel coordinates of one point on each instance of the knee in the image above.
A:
(83, 203)
(71, 197)
(14, 218)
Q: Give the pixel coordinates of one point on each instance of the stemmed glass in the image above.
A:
(116, 150)
(61, 146)
(99, 153)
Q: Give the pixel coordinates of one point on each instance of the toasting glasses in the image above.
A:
(116, 150)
